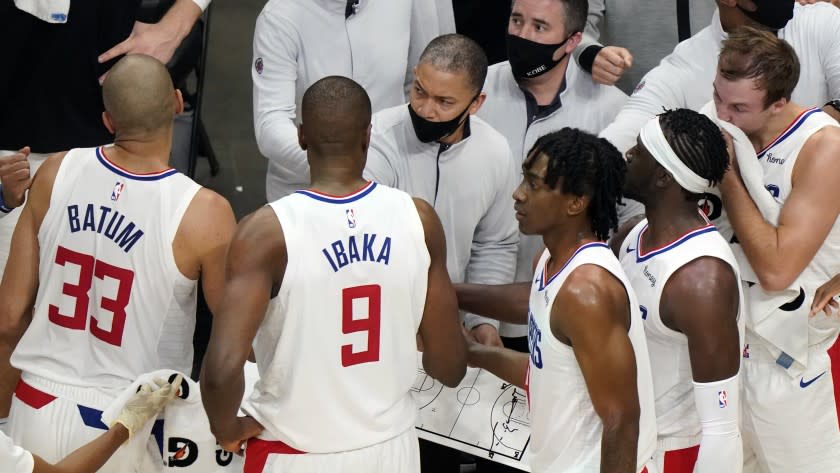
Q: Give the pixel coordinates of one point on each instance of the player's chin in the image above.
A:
(524, 226)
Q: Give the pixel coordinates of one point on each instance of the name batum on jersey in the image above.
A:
(105, 221)
(340, 253)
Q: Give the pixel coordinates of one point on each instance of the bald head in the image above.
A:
(139, 96)
(335, 115)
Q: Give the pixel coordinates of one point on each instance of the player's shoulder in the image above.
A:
(592, 284)
(821, 146)
(208, 203)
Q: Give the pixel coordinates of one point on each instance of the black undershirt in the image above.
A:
(50, 97)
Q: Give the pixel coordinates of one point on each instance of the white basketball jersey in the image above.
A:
(673, 388)
(778, 160)
(565, 430)
(337, 351)
(112, 303)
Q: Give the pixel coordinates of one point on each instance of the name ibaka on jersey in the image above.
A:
(366, 247)
(105, 221)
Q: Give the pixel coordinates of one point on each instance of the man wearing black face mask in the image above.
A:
(435, 149)
(539, 90)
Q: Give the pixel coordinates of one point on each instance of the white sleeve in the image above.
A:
(718, 405)
(378, 167)
(13, 458)
(660, 88)
(829, 50)
(274, 73)
(202, 4)
(496, 238)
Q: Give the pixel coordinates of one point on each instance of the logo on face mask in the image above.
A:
(529, 59)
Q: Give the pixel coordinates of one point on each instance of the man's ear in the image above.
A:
(366, 142)
(301, 139)
(662, 177)
(109, 123)
(578, 205)
(179, 102)
(477, 103)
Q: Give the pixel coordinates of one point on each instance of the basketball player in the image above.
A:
(790, 407)
(587, 376)
(687, 283)
(331, 285)
(104, 267)
(145, 405)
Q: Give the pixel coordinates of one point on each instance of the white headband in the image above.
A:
(655, 142)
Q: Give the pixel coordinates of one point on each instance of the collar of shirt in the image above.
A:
(535, 110)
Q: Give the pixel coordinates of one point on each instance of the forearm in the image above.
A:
(509, 365)
(505, 303)
(619, 443)
(90, 457)
(835, 114)
(181, 18)
(222, 388)
(278, 141)
(718, 406)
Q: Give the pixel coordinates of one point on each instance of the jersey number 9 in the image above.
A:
(369, 324)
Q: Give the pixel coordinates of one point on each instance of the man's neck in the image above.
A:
(563, 242)
(777, 124)
(670, 217)
(545, 88)
(141, 155)
(335, 176)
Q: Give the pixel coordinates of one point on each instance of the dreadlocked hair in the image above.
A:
(698, 142)
(589, 166)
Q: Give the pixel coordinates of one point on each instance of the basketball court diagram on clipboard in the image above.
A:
(483, 416)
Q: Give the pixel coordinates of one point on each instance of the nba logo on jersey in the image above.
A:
(351, 218)
(722, 402)
(119, 187)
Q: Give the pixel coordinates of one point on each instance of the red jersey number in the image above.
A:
(370, 324)
(90, 268)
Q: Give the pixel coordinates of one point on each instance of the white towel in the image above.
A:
(787, 332)
(188, 444)
(51, 11)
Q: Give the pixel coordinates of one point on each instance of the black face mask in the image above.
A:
(773, 14)
(529, 59)
(428, 131)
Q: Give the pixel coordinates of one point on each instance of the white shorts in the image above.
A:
(46, 422)
(676, 455)
(8, 222)
(399, 454)
(790, 425)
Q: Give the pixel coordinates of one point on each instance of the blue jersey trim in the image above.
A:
(797, 123)
(129, 175)
(339, 200)
(545, 283)
(670, 246)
